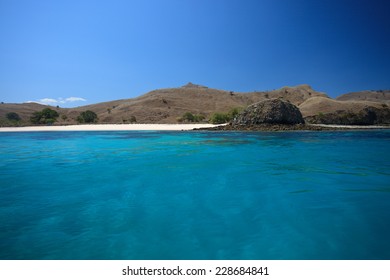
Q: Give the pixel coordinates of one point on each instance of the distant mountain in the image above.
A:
(168, 105)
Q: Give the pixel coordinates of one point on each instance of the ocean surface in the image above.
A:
(195, 195)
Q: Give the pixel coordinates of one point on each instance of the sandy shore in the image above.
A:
(107, 127)
(162, 127)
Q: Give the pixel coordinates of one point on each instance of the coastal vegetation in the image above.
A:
(11, 119)
(12, 116)
(87, 117)
(219, 118)
(46, 116)
(215, 118)
(189, 117)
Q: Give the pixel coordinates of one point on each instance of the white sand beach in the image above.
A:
(107, 127)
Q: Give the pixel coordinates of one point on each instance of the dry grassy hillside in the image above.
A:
(168, 105)
(318, 105)
(296, 95)
(24, 110)
(382, 96)
(330, 111)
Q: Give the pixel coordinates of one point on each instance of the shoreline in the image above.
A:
(294, 127)
(187, 127)
(352, 126)
(108, 127)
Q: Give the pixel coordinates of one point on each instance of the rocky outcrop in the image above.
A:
(273, 111)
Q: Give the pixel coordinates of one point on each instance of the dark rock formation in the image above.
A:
(273, 111)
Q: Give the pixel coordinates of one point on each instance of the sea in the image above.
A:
(192, 195)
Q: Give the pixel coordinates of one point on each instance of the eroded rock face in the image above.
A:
(273, 111)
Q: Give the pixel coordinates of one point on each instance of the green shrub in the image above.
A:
(87, 117)
(46, 116)
(199, 118)
(12, 116)
(189, 117)
(234, 113)
(133, 119)
(219, 118)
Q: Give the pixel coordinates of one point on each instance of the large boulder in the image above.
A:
(273, 111)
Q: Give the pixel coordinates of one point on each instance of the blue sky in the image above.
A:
(77, 52)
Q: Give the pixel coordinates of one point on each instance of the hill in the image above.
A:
(356, 112)
(24, 110)
(367, 95)
(168, 105)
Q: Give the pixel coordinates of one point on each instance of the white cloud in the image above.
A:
(48, 101)
(31, 101)
(60, 100)
(73, 99)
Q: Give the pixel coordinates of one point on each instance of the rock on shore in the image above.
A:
(273, 111)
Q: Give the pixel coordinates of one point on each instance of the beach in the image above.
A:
(108, 127)
(175, 127)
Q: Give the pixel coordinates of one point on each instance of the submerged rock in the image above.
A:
(273, 111)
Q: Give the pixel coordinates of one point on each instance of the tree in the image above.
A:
(133, 119)
(46, 116)
(87, 117)
(12, 116)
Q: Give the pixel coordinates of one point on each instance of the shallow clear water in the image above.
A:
(195, 195)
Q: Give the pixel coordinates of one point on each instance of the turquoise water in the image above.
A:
(195, 195)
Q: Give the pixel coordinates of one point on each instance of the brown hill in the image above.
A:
(168, 105)
(382, 96)
(317, 105)
(330, 111)
(24, 110)
(296, 95)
